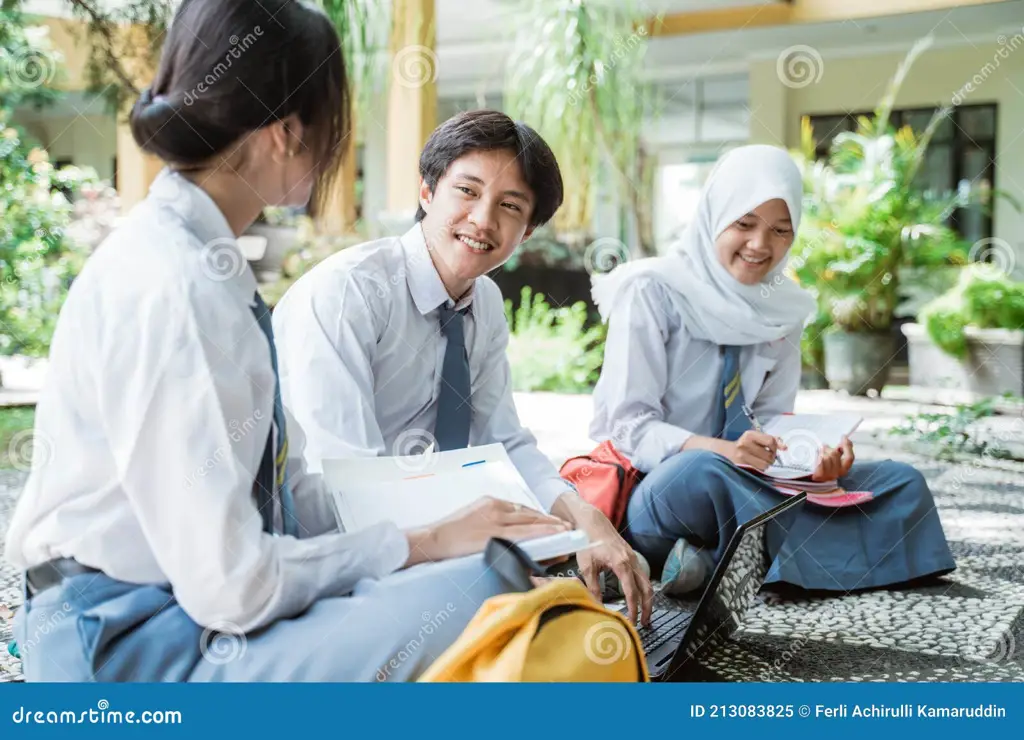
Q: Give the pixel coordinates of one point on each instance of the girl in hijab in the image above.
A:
(695, 336)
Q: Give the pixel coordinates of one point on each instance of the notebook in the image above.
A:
(805, 435)
(418, 490)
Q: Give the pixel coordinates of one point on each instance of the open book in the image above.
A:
(415, 491)
(805, 435)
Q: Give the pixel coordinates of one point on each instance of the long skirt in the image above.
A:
(701, 496)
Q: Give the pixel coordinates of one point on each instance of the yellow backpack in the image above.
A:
(555, 632)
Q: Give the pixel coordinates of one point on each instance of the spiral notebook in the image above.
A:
(805, 435)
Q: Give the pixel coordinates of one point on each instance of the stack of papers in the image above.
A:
(419, 490)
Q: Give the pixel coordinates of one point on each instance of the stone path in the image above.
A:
(970, 628)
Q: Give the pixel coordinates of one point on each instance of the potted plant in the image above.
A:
(865, 222)
(274, 234)
(971, 337)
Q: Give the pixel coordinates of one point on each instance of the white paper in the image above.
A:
(805, 435)
(340, 475)
(421, 499)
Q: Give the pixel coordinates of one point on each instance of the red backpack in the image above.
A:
(605, 478)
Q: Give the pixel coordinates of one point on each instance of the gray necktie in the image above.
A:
(731, 422)
(453, 409)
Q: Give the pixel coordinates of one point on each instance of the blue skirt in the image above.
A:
(702, 497)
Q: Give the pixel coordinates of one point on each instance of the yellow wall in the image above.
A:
(857, 83)
(68, 37)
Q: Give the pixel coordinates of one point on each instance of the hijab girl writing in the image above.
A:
(695, 336)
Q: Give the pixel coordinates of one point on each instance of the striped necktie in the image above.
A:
(451, 431)
(271, 476)
(731, 421)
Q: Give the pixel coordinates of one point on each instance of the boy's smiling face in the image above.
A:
(476, 217)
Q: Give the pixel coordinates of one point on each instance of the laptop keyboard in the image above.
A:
(666, 624)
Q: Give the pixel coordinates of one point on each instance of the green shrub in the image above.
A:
(550, 349)
(983, 297)
(38, 258)
(945, 321)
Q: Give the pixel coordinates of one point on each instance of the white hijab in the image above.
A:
(717, 307)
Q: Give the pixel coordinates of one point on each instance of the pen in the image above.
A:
(756, 425)
(749, 413)
(475, 462)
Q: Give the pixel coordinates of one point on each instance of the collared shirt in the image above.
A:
(155, 415)
(360, 353)
(659, 385)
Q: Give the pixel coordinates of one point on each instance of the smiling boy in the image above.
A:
(396, 343)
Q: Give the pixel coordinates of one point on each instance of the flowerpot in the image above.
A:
(812, 379)
(857, 362)
(279, 241)
(994, 364)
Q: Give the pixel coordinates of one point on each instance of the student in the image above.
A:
(161, 539)
(680, 330)
(393, 345)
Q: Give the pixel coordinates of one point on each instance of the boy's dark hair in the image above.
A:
(488, 130)
(230, 67)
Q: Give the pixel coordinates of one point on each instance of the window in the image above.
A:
(961, 153)
(700, 111)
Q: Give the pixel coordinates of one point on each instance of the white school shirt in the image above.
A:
(156, 411)
(659, 385)
(360, 353)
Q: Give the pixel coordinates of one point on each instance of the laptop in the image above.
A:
(682, 630)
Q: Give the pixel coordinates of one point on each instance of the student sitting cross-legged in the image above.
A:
(405, 337)
(167, 536)
(695, 336)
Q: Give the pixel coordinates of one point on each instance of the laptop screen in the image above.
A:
(731, 592)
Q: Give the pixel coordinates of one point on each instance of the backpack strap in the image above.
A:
(509, 561)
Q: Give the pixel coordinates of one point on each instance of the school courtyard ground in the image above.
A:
(970, 627)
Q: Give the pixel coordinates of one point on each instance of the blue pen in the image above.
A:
(475, 462)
